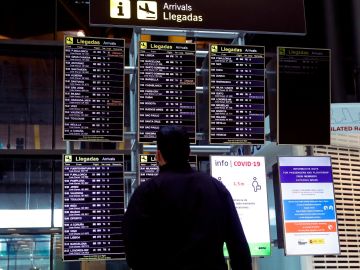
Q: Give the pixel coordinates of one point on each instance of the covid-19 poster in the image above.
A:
(245, 178)
(308, 206)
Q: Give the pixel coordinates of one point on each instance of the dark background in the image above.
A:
(330, 24)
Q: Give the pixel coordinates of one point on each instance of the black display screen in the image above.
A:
(93, 201)
(237, 94)
(93, 89)
(148, 167)
(167, 88)
(303, 107)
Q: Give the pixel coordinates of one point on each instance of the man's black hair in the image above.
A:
(174, 144)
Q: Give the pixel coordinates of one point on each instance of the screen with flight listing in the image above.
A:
(167, 88)
(93, 201)
(93, 89)
(237, 94)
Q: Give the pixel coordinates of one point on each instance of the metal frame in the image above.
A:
(131, 70)
(237, 38)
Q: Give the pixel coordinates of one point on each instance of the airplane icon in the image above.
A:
(69, 40)
(147, 10)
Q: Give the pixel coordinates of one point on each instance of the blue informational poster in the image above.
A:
(308, 206)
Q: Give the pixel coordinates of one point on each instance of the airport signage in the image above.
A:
(245, 178)
(93, 103)
(308, 206)
(281, 16)
(303, 96)
(93, 202)
(237, 94)
(167, 88)
(345, 124)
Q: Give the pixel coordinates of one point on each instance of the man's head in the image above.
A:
(173, 145)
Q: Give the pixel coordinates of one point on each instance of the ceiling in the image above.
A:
(46, 19)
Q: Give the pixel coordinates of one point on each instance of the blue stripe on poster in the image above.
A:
(309, 209)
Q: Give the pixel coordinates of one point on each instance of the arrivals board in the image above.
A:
(281, 16)
(245, 178)
(308, 206)
(148, 167)
(303, 96)
(93, 203)
(167, 88)
(93, 89)
(237, 94)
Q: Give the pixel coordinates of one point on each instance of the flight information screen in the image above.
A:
(148, 167)
(167, 88)
(93, 89)
(303, 107)
(93, 201)
(237, 94)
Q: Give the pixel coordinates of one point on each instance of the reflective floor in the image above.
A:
(43, 252)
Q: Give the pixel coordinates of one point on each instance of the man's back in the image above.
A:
(180, 220)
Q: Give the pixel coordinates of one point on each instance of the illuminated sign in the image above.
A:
(93, 89)
(93, 201)
(245, 178)
(148, 167)
(283, 16)
(345, 124)
(308, 206)
(303, 106)
(237, 94)
(167, 88)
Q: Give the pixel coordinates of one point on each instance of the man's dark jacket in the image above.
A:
(179, 220)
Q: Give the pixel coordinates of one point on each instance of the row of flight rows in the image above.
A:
(232, 113)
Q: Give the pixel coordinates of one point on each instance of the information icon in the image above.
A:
(120, 9)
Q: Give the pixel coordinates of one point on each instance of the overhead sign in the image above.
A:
(93, 201)
(93, 89)
(149, 168)
(237, 94)
(308, 206)
(281, 16)
(245, 178)
(167, 88)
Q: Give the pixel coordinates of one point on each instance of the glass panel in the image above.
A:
(26, 83)
(58, 263)
(25, 252)
(25, 192)
(58, 211)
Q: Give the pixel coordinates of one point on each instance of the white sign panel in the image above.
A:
(308, 206)
(345, 124)
(245, 178)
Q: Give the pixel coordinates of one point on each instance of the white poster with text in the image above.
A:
(245, 178)
(308, 206)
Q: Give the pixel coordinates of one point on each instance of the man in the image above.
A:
(180, 219)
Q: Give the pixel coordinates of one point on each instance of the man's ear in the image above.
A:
(159, 158)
